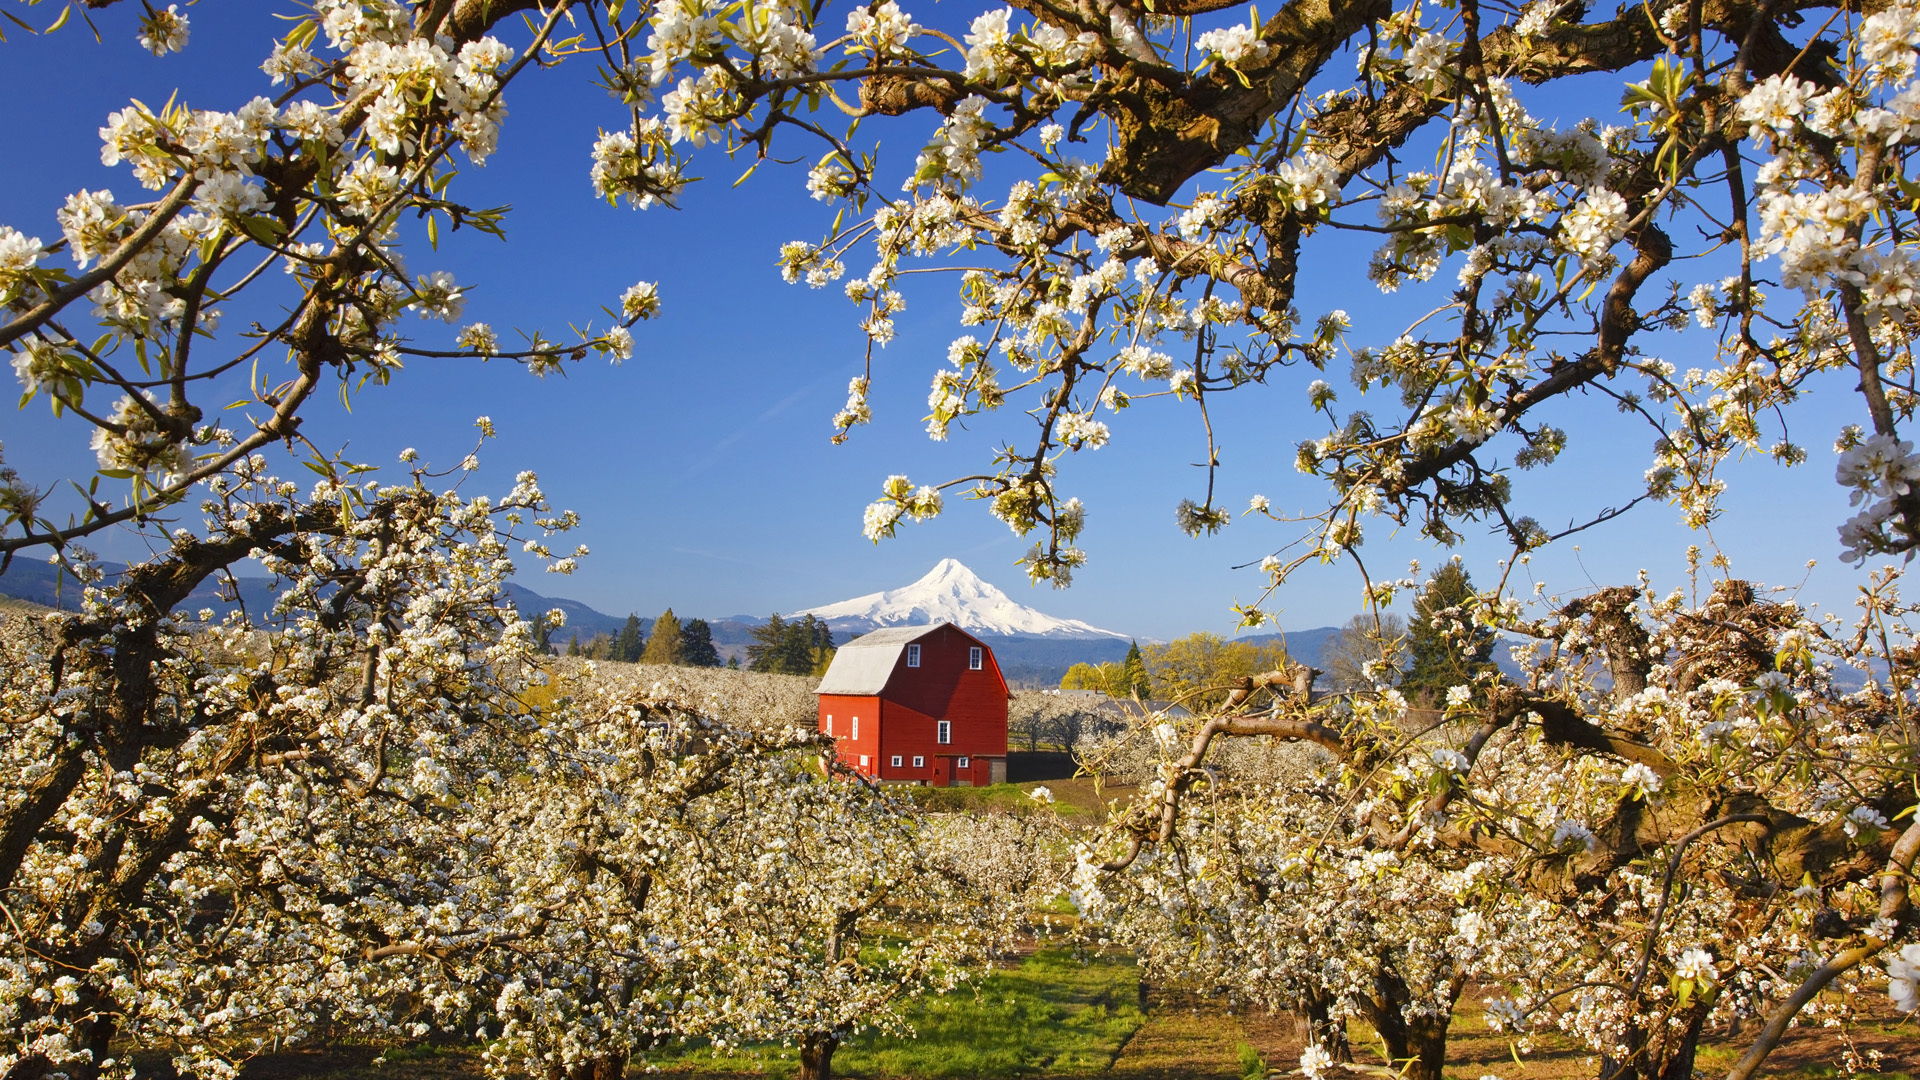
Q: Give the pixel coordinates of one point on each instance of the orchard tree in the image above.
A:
(1678, 822)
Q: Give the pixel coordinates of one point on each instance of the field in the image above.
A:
(1057, 1014)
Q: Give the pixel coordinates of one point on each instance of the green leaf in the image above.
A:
(262, 228)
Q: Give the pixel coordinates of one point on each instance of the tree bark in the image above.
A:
(608, 1066)
(1417, 1046)
(816, 1055)
(1315, 1025)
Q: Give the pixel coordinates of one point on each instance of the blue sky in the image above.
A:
(702, 467)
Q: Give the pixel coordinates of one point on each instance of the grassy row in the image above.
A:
(1054, 1013)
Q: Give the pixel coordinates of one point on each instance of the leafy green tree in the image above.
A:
(1196, 670)
(1445, 647)
(631, 642)
(664, 647)
(696, 644)
(1108, 678)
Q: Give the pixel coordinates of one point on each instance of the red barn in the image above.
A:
(918, 704)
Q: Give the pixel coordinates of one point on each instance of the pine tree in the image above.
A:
(1446, 647)
(664, 647)
(763, 654)
(733, 663)
(631, 642)
(696, 644)
(542, 636)
(573, 645)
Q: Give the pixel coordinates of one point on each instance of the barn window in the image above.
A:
(913, 656)
(829, 723)
(896, 761)
(856, 729)
(919, 762)
(973, 658)
(964, 762)
(945, 735)
(863, 761)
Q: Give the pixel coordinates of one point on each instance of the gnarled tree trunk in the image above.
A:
(610, 1066)
(1315, 1024)
(816, 1055)
(1418, 1046)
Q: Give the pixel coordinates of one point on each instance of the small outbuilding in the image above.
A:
(918, 704)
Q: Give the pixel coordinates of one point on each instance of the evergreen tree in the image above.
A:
(733, 663)
(696, 644)
(763, 652)
(631, 642)
(664, 647)
(1134, 669)
(573, 645)
(804, 647)
(543, 636)
(1446, 648)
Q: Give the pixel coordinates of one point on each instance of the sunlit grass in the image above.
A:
(1051, 1014)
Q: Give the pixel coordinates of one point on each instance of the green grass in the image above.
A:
(1010, 798)
(1052, 1013)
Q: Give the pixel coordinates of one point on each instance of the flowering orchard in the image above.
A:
(1676, 822)
(362, 806)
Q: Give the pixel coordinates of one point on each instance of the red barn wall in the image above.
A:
(843, 709)
(903, 721)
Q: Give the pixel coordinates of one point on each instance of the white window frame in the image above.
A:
(964, 763)
(943, 733)
(919, 762)
(974, 658)
(863, 761)
(856, 730)
(896, 761)
(829, 723)
(913, 656)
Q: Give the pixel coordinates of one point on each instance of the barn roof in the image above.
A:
(862, 666)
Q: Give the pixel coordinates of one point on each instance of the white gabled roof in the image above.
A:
(861, 666)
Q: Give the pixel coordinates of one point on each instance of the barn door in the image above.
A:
(942, 771)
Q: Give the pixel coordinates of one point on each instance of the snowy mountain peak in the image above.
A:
(951, 593)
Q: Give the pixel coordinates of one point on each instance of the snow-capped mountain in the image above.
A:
(952, 593)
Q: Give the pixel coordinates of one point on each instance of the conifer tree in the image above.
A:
(631, 642)
(696, 644)
(1445, 646)
(664, 647)
(764, 653)
(1134, 669)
